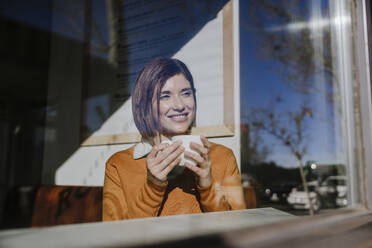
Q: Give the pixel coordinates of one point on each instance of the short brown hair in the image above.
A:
(150, 81)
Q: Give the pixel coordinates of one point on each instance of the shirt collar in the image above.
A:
(142, 149)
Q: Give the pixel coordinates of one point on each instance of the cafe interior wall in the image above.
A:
(65, 161)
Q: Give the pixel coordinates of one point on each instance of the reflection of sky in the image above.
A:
(261, 83)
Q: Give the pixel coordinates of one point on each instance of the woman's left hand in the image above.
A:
(203, 167)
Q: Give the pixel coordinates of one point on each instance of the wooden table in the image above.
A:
(141, 232)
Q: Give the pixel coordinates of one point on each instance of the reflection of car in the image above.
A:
(333, 190)
(278, 191)
(298, 198)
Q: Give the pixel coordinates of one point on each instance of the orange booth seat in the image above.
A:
(57, 205)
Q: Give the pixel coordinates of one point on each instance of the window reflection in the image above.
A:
(291, 109)
(293, 79)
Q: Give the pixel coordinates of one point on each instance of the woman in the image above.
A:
(145, 181)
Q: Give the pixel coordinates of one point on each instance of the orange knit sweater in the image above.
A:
(128, 194)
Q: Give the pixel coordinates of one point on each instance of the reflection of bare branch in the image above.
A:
(292, 48)
(289, 128)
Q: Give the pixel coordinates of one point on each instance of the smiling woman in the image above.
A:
(176, 106)
(147, 180)
(155, 90)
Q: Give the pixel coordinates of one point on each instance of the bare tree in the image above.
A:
(290, 129)
(284, 33)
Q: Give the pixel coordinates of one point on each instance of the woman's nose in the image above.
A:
(178, 104)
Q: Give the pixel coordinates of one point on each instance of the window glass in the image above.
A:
(292, 103)
(68, 68)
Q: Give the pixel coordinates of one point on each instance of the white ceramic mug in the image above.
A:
(186, 139)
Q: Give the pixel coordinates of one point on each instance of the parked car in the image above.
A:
(278, 191)
(333, 191)
(298, 199)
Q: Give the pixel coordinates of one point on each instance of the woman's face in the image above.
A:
(176, 106)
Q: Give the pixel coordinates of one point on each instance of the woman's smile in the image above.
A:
(179, 117)
(176, 106)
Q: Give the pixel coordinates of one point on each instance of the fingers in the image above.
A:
(205, 142)
(200, 149)
(168, 150)
(163, 155)
(171, 158)
(194, 169)
(171, 166)
(157, 148)
(203, 169)
(196, 157)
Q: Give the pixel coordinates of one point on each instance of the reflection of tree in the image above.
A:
(290, 129)
(255, 151)
(295, 38)
(299, 42)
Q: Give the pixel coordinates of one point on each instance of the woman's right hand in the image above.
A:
(162, 159)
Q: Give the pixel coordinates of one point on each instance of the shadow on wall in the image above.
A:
(91, 74)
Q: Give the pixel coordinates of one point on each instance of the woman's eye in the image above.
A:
(187, 93)
(164, 97)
